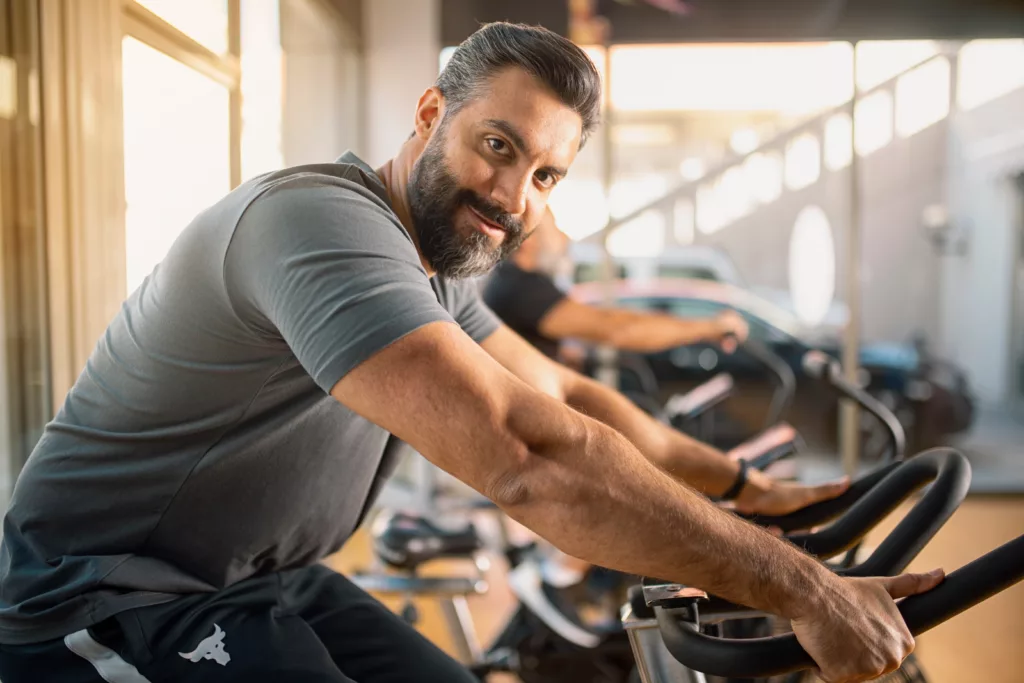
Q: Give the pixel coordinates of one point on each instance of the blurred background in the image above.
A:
(848, 175)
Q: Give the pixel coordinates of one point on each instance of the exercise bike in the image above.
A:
(676, 630)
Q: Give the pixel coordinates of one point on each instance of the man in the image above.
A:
(522, 292)
(232, 425)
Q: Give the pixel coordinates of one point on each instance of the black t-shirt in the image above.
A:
(521, 299)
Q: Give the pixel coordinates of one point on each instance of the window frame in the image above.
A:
(144, 25)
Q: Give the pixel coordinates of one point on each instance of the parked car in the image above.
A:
(931, 397)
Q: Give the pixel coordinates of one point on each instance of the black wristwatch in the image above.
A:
(737, 486)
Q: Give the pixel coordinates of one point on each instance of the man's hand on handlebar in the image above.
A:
(763, 495)
(730, 329)
(853, 630)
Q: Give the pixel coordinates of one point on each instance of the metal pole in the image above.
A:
(607, 370)
(849, 416)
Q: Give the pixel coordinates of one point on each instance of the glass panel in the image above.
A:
(579, 206)
(838, 142)
(710, 214)
(176, 149)
(796, 78)
(691, 308)
(988, 69)
(880, 60)
(922, 97)
(642, 237)
(684, 221)
(812, 265)
(205, 21)
(803, 161)
(874, 122)
(764, 173)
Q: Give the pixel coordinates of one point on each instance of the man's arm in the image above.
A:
(701, 466)
(585, 488)
(572, 479)
(630, 330)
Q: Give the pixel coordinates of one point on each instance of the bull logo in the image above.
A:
(211, 647)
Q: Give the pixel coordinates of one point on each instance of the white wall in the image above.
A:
(323, 84)
(402, 42)
(977, 299)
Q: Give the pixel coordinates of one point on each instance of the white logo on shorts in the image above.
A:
(210, 648)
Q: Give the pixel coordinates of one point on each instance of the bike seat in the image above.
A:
(405, 540)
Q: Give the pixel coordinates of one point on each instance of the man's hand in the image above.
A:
(854, 631)
(766, 496)
(730, 328)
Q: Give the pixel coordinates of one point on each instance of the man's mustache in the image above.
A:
(491, 211)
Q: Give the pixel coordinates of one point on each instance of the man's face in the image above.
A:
(483, 179)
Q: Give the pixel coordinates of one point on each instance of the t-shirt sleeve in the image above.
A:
(470, 311)
(520, 298)
(323, 263)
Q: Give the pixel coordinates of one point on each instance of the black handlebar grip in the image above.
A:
(763, 657)
(951, 473)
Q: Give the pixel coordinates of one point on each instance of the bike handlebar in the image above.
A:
(763, 657)
(821, 367)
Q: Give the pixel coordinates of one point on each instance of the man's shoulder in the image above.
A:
(340, 183)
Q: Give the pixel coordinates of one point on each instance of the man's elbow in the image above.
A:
(528, 465)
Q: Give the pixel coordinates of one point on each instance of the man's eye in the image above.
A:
(497, 145)
(545, 179)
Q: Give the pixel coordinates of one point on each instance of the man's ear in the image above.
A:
(429, 111)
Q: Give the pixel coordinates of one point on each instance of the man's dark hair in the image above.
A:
(555, 61)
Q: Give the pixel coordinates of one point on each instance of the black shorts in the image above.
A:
(305, 626)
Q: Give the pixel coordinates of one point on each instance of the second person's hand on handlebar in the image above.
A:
(853, 629)
(763, 495)
(731, 329)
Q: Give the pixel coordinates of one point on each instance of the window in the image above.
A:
(690, 308)
(189, 134)
(764, 171)
(838, 141)
(687, 272)
(579, 206)
(642, 237)
(684, 221)
(710, 212)
(874, 122)
(803, 161)
(205, 21)
(177, 151)
(989, 69)
(812, 265)
(922, 97)
(797, 78)
(880, 60)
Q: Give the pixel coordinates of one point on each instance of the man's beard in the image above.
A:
(434, 198)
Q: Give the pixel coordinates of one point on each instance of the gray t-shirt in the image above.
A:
(200, 446)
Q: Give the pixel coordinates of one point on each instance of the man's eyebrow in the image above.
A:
(512, 133)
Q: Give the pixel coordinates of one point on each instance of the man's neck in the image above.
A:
(395, 176)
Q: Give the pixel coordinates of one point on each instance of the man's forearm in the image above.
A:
(705, 468)
(642, 331)
(599, 499)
